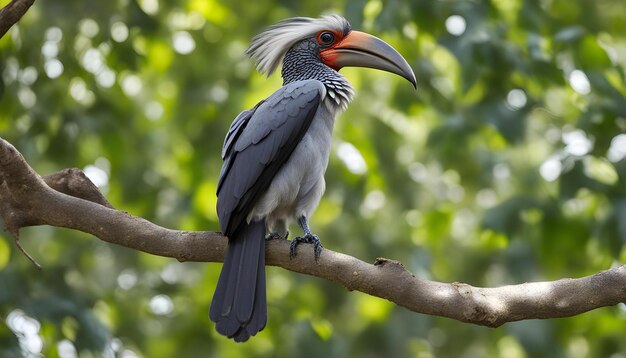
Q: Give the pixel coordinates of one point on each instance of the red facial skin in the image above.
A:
(329, 55)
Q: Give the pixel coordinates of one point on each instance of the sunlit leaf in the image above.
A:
(205, 200)
(322, 327)
(5, 252)
(490, 239)
(601, 170)
(69, 328)
(373, 308)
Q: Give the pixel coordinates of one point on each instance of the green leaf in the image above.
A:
(322, 327)
(5, 252)
(591, 55)
(600, 169)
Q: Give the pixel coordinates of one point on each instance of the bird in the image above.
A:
(275, 154)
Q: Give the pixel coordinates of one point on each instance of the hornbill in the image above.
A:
(276, 153)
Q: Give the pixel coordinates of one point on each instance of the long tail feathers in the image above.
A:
(239, 306)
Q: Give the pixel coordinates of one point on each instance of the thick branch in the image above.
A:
(27, 199)
(12, 13)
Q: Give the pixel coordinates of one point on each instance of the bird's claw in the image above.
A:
(307, 239)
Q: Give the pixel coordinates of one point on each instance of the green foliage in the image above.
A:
(507, 165)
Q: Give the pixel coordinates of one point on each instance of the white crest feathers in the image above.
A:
(268, 48)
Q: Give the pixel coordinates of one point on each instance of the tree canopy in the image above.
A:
(507, 165)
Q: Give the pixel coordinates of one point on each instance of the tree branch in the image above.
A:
(12, 13)
(68, 199)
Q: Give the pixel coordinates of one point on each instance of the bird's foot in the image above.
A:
(307, 239)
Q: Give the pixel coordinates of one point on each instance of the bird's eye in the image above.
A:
(326, 38)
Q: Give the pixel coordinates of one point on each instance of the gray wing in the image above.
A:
(235, 130)
(258, 143)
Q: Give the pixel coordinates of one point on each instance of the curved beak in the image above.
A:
(360, 49)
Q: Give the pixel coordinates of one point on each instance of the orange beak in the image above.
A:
(359, 49)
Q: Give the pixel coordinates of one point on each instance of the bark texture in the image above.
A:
(12, 13)
(68, 199)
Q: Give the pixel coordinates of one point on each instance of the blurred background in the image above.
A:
(506, 165)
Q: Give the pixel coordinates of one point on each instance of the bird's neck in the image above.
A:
(302, 62)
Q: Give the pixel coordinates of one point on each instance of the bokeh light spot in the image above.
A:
(579, 82)
(516, 98)
(161, 305)
(456, 25)
(119, 31)
(352, 158)
(54, 68)
(183, 42)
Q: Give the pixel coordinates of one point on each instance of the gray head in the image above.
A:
(330, 41)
